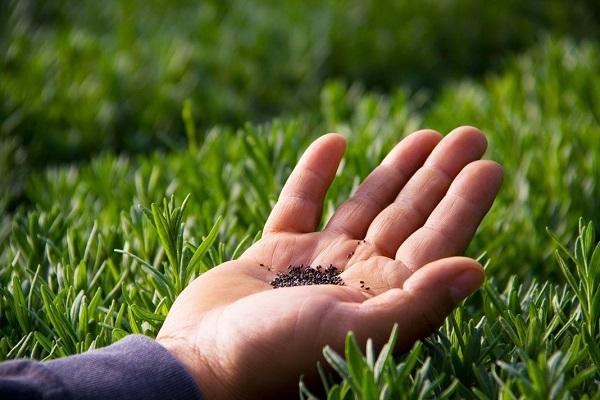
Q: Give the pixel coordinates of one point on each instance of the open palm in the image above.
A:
(395, 240)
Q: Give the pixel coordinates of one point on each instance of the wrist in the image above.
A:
(205, 373)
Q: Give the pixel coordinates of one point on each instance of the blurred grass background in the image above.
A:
(79, 78)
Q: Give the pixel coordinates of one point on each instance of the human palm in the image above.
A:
(393, 241)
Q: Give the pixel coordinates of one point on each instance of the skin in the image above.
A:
(400, 233)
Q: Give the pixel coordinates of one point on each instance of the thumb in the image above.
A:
(449, 280)
(425, 300)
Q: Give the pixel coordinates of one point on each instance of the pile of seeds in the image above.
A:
(306, 275)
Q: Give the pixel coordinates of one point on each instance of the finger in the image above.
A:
(299, 206)
(452, 224)
(425, 189)
(383, 183)
(421, 306)
(376, 275)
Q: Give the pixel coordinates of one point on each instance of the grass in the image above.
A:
(100, 249)
(74, 76)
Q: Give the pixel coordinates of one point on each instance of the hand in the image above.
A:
(240, 338)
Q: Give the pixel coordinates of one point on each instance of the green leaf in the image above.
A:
(20, 306)
(385, 355)
(43, 341)
(80, 276)
(406, 367)
(162, 229)
(337, 362)
(133, 323)
(58, 320)
(164, 287)
(204, 246)
(567, 273)
(146, 315)
(334, 393)
(595, 265)
(354, 358)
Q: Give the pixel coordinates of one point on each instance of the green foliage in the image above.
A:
(78, 77)
(374, 376)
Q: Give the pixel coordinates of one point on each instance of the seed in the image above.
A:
(362, 282)
(367, 288)
(261, 264)
(301, 275)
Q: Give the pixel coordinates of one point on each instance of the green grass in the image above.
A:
(78, 77)
(87, 258)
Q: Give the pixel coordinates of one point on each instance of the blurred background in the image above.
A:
(82, 77)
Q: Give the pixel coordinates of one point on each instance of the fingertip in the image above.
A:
(431, 134)
(497, 168)
(465, 283)
(482, 174)
(420, 142)
(335, 138)
(428, 138)
(469, 264)
(325, 151)
(459, 276)
(471, 134)
(460, 147)
(494, 171)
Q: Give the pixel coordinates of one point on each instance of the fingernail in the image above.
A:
(464, 284)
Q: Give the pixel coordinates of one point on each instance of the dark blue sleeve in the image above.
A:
(134, 368)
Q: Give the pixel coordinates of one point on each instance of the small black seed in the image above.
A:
(261, 264)
(362, 282)
(301, 275)
(367, 288)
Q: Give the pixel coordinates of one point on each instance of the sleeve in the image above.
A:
(134, 368)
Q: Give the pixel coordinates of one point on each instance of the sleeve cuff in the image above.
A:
(134, 368)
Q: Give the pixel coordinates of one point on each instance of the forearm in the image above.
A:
(133, 368)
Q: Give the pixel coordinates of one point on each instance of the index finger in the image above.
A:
(299, 206)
